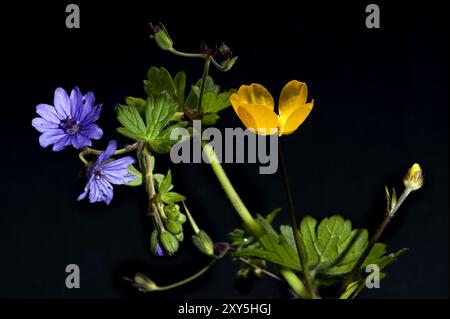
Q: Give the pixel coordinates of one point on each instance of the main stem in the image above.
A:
(294, 224)
(233, 196)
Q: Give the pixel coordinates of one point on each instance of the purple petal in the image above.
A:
(51, 137)
(92, 131)
(48, 112)
(100, 191)
(89, 112)
(62, 103)
(110, 149)
(159, 250)
(119, 164)
(86, 190)
(43, 125)
(80, 140)
(62, 143)
(76, 102)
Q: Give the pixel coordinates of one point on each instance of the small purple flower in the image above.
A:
(70, 121)
(105, 172)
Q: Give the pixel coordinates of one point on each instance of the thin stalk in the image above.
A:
(124, 150)
(268, 273)
(188, 55)
(373, 240)
(294, 225)
(189, 279)
(202, 87)
(194, 225)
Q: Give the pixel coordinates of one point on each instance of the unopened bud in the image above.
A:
(413, 179)
(169, 242)
(203, 242)
(161, 37)
(173, 226)
(143, 283)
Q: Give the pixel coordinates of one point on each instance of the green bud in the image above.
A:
(179, 236)
(143, 283)
(172, 211)
(169, 242)
(154, 242)
(163, 40)
(204, 243)
(181, 218)
(228, 64)
(173, 226)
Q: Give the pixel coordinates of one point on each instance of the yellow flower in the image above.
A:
(255, 107)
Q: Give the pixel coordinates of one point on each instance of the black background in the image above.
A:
(381, 104)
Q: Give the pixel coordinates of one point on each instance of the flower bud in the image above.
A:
(179, 236)
(143, 283)
(172, 211)
(173, 226)
(181, 218)
(154, 244)
(161, 37)
(413, 179)
(169, 242)
(204, 243)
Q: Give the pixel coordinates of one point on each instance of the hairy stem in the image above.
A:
(233, 196)
(191, 219)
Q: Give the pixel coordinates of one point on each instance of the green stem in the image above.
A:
(189, 279)
(376, 236)
(125, 150)
(234, 198)
(81, 157)
(203, 85)
(188, 55)
(294, 225)
(295, 283)
(191, 219)
(145, 159)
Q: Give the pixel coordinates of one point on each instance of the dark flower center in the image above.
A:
(70, 125)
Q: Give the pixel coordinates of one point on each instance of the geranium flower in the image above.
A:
(255, 107)
(70, 121)
(105, 172)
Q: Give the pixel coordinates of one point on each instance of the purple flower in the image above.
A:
(159, 250)
(105, 172)
(69, 121)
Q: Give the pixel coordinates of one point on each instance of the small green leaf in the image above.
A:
(137, 103)
(138, 180)
(213, 102)
(209, 119)
(133, 124)
(272, 215)
(180, 87)
(172, 197)
(159, 81)
(394, 198)
(158, 113)
(275, 249)
(166, 183)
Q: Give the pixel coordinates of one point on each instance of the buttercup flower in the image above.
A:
(105, 172)
(255, 107)
(70, 121)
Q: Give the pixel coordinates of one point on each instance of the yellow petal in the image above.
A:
(255, 94)
(290, 123)
(293, 95)
(256, 117)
